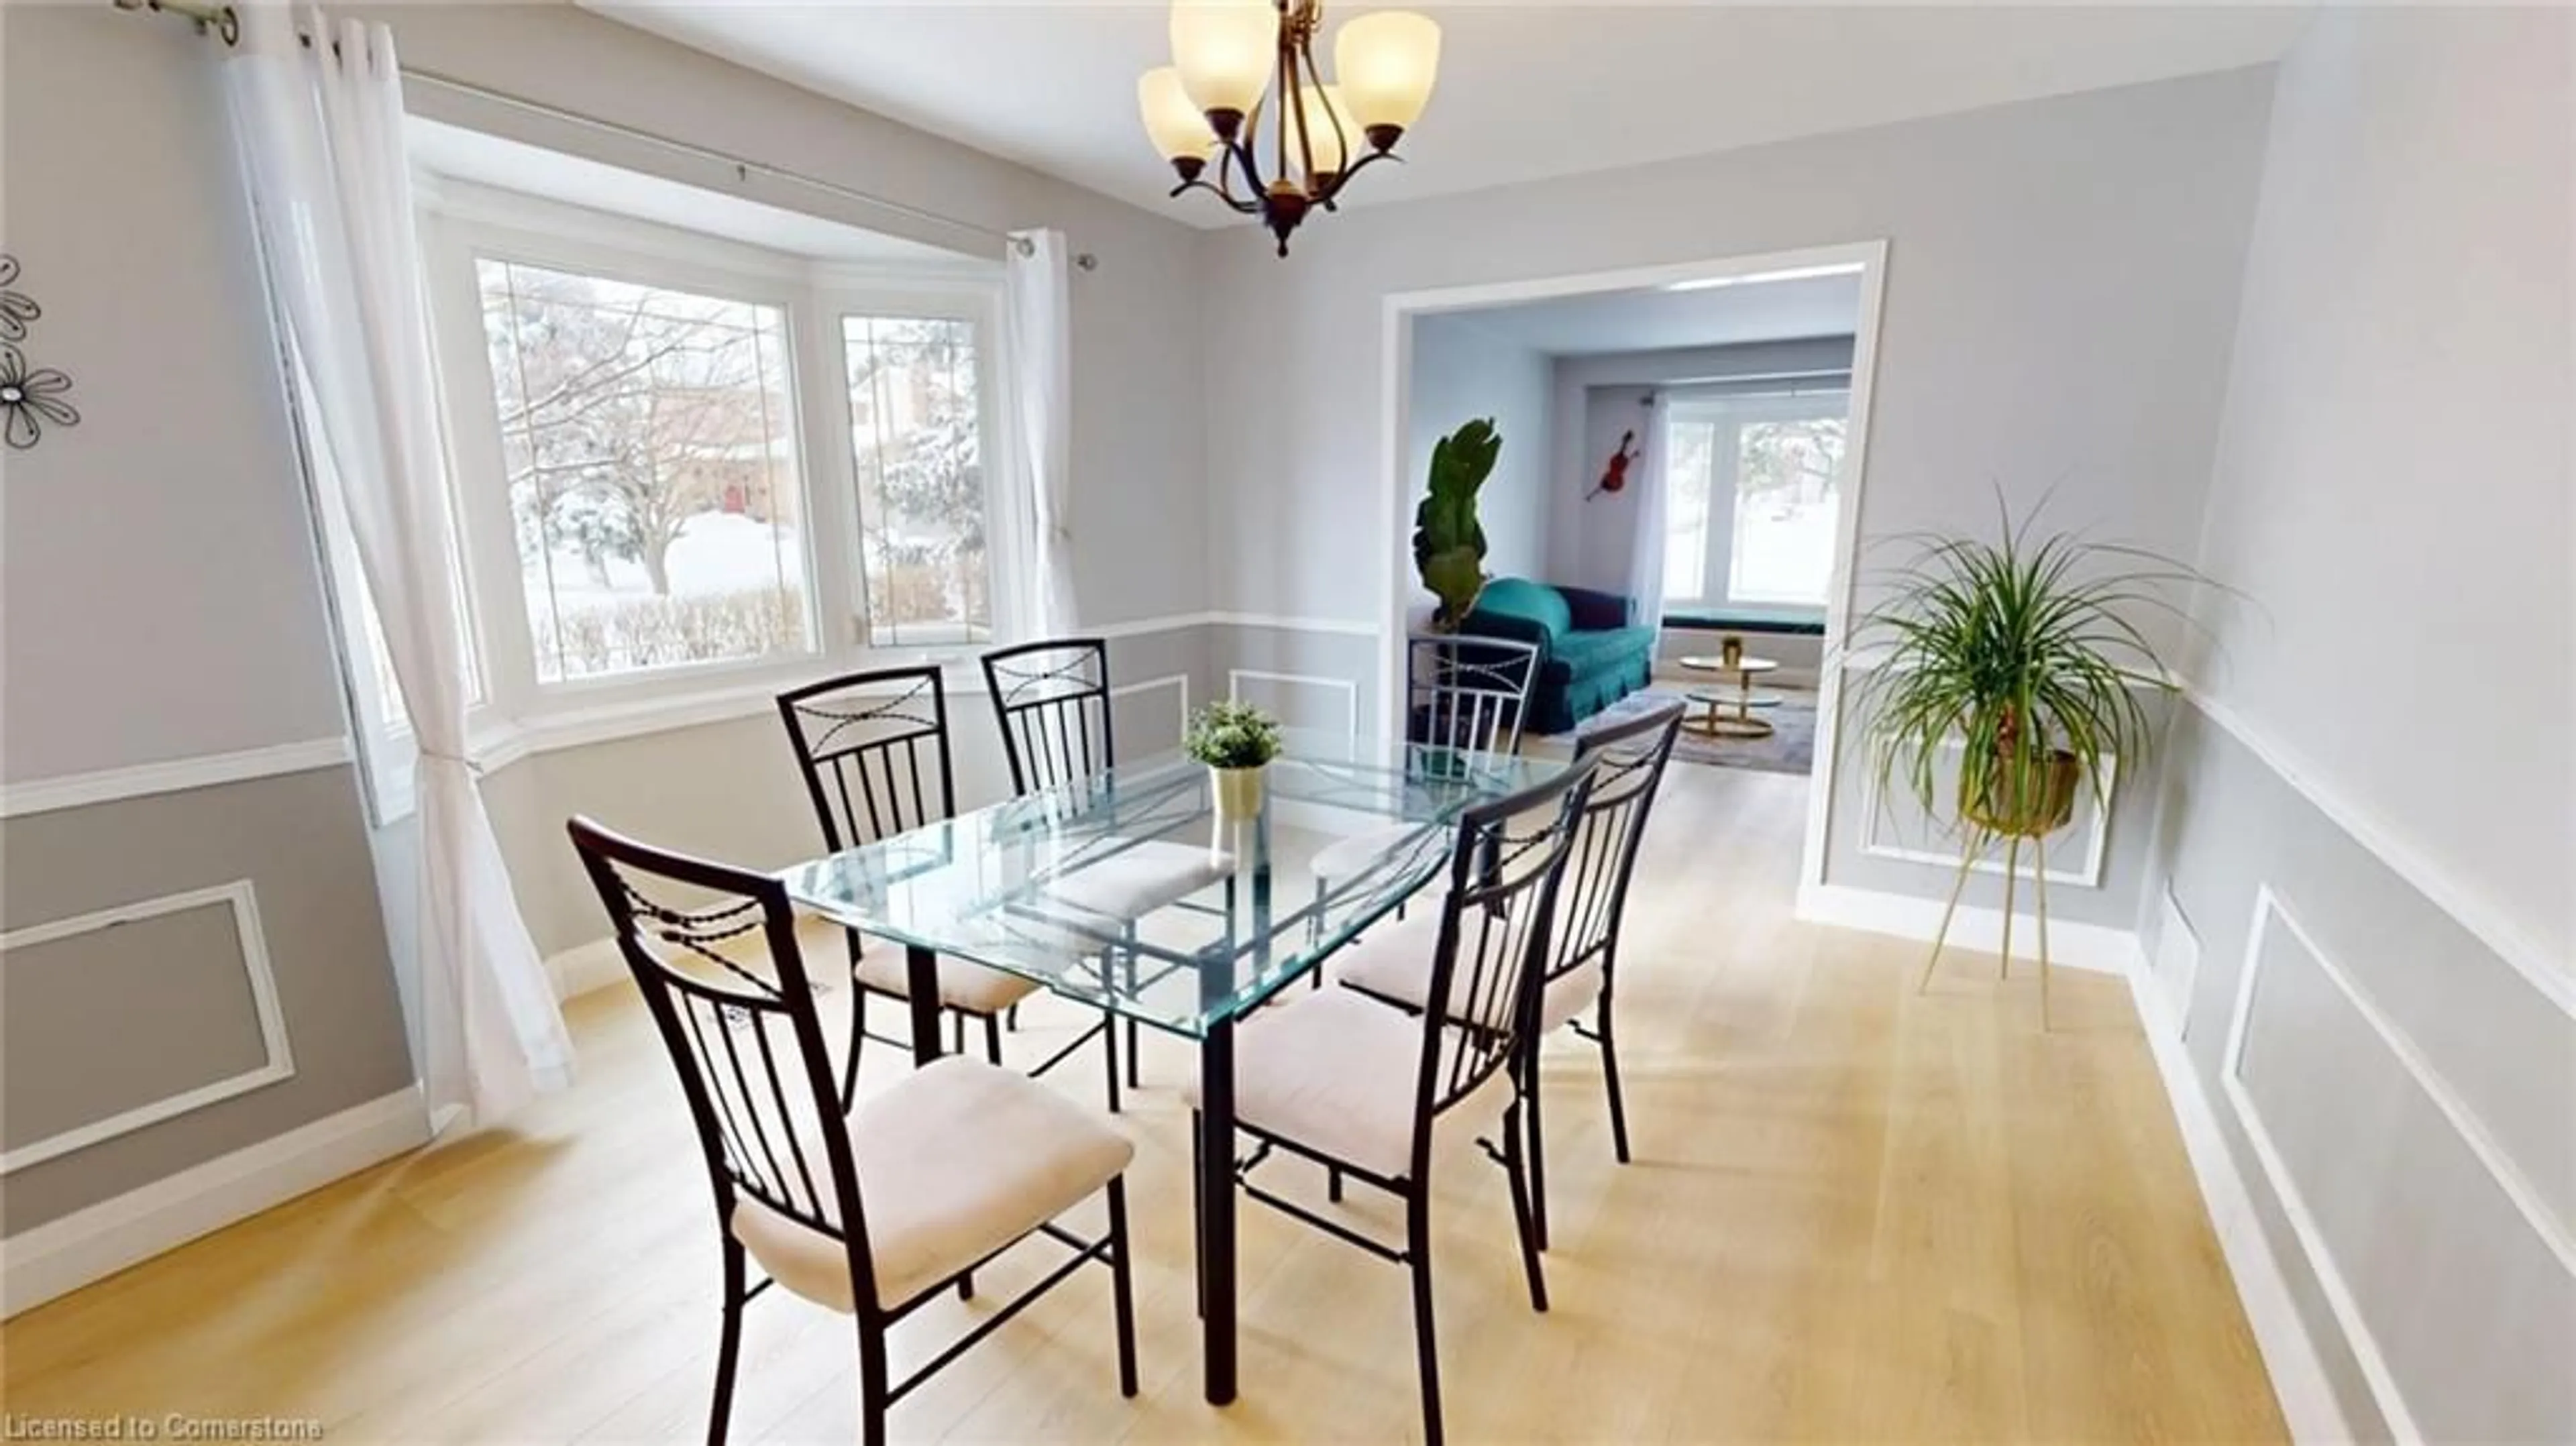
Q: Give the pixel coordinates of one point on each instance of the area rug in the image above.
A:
(1791, 748)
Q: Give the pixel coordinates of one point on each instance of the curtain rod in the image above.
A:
(224, 23)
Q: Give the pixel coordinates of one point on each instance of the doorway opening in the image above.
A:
(1677, 494)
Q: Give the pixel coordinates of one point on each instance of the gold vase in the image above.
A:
(2048, 804)
(1237, 791)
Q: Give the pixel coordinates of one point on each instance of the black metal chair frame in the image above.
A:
(1606, 843)
(734, 1135)
(876, 736)
(1627, 774)
(1509, 916)
(1056, 724)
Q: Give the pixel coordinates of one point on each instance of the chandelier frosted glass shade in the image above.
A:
(1223, 50)
(1207, 117)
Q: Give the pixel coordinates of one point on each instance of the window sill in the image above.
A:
(494, 742)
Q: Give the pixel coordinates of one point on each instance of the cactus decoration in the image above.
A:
(1448, 542)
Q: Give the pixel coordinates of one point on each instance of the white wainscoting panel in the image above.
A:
(1937, 841)
(278, 1062)
(2365, 1343)
(1178, 682)
(1235, 678)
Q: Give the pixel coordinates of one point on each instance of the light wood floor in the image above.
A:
(1854, 1215)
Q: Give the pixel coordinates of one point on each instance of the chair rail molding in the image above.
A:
(277, 1062)
(2526, 1201)
(142, 780)
(2473, 907)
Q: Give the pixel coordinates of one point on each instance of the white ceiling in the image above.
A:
(1658, 319)
(488, 160)
(1526, 90)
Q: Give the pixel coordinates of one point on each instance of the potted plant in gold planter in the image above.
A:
(1236, 741)
(2020, 655)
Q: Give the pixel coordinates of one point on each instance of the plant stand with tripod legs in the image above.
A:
(1981, 839)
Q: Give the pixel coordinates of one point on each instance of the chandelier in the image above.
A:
(1207, 105)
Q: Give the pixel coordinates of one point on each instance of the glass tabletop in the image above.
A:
(1127, 890)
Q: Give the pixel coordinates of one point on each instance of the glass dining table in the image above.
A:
(1128, 892)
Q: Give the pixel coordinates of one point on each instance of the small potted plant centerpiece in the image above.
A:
(2019, 655)
(1236, 741)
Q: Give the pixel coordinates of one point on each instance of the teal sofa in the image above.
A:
(1591, 654)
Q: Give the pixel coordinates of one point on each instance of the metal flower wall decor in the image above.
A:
(29, 396)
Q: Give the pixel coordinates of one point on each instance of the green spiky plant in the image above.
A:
(1448, 542)
(2025, 649)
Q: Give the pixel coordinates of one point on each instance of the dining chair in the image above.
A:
(1363, 1087)
(1051, 699)
(1394, 965)
(1461, 691)
(873, 750)
(871, 1211)
(1467, 691)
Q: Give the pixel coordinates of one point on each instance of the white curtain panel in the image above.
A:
(320, 127)
(1644, 583)
(1038, 307)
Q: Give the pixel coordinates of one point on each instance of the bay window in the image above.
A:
(688, 471)
(1753, 496)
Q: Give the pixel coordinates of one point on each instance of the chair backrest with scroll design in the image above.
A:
(1481, 1003)
(1052, 700)
(713, 949)
(873, 748)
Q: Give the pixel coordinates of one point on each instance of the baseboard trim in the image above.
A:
(61, 1256)
(584, 967)
(2096, 947)
(2290, 1358)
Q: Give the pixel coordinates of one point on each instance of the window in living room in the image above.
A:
(1754, 497)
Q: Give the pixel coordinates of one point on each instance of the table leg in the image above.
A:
(921, 981)
(1216, 1207)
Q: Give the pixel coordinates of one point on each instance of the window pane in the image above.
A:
(650, 445)
(1785, 508)
(916, 451)
(1686, 483)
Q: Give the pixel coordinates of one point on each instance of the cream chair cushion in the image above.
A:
(1339, 1073)
(963, 984)
(1393, 961)
(1139, 877)
(955, 1162)
(1348, 857)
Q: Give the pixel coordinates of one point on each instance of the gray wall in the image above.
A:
(2392, 492)
(162, 603)
(2061, 289)
(1462, 371)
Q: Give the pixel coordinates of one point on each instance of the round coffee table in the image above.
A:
(1730, 714)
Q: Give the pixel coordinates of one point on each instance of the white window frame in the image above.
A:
(463, 223)
(1740, 405)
